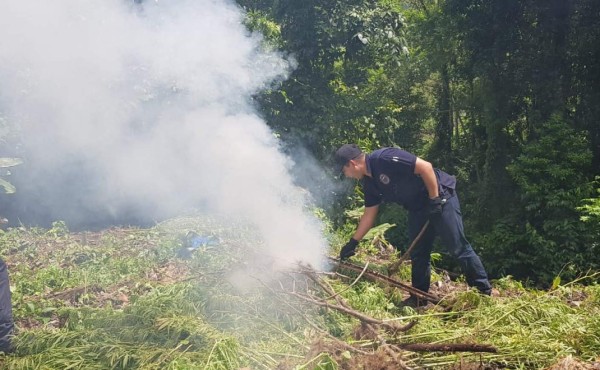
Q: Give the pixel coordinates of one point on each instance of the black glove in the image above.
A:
(435, 207)
(349, 249)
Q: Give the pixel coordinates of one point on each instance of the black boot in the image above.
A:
(414, 302)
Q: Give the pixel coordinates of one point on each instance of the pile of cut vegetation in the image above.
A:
(200, 293)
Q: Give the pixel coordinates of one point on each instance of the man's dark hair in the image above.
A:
(346, 153)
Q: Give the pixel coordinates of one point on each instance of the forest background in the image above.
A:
(503, 94)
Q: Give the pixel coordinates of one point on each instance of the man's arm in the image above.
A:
(366, 222)
(425, 170)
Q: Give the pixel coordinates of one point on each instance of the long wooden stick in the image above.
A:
(373, 275)
(449, 347)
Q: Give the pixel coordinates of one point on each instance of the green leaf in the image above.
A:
(10, 162)
(555, 282)
(8, 187)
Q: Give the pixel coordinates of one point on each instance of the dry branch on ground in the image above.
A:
(384, 335)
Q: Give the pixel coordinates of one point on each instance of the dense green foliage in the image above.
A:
(130, 299)
(503, 94)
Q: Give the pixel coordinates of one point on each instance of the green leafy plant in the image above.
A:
(591, 209)
(543, 233)
(5, 163)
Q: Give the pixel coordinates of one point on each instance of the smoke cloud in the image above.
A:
(146, 109)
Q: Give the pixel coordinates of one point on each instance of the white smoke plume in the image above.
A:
(148, 107)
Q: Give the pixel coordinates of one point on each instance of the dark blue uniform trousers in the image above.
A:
(6, 317)
(449, 227)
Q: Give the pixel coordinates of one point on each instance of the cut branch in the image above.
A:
(449, 347)
(312, 324)
(389, 281)
(362, 317)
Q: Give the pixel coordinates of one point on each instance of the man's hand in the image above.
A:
(349, 249)
(435, 207)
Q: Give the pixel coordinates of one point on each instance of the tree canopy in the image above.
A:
(503, 94)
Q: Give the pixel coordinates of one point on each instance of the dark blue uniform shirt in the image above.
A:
(393, 179)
